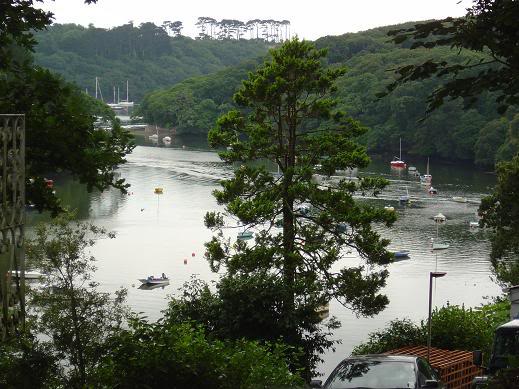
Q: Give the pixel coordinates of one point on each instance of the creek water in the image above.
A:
(165, 233)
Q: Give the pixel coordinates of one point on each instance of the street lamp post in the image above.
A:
(433, 274)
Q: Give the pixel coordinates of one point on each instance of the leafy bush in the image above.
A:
(182, 356)
(452, 328)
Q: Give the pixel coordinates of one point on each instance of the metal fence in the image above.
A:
(12, 221)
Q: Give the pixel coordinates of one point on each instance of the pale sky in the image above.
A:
(309, 19)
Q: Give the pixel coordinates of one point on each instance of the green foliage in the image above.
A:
(399, 333)
(490, 28)
(26, 363)
(183, 356)
(250, 306)
(452, 328)
(296, 265)
(500, 212)
(145, 55)
(61, 134)
(69, 310)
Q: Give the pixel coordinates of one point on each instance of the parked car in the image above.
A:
(382, 372)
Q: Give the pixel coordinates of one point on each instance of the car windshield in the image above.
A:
(373, 375)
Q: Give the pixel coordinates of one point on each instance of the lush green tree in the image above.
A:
(67, 307)
(491, 138)
(152, 355)
(452, 328)
(500, 212)
(59, 118)
(489, 27)
(61, 134)
(319, 225)
(27, 363)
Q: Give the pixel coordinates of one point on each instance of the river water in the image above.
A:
(165, 233)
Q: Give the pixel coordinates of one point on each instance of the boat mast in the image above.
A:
(118, 96)
(400, 149)
(127, 91)
(114, 94)
(96, 88)
(427, 166)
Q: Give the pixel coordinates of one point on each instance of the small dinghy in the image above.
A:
(401, 254)
(440, 246)
(474, 224)
(432, 191)
(152, 280)
(245, 235)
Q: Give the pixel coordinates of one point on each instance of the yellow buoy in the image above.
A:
(158, 190)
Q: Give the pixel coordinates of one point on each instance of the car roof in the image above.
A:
(382, 357)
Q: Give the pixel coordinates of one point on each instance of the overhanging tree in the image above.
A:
(489, 27)
(500, 212)
(59, 118)
(305, 259)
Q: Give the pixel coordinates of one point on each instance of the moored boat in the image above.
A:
(459, 199)
(245, 235)
(397, 162)
(152, 280)
(401, 254)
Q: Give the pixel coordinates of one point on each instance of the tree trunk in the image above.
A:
(77, 339)
(289, 269)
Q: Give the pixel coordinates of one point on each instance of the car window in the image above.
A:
(373, 374)
(425, 371)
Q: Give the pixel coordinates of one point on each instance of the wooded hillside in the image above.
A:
(147, 56)
(477, 135)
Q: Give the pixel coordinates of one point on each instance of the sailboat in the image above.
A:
(426, 179)
(397, 162)
(127, 102)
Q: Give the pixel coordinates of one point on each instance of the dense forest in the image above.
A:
(451, 133)
(148, 56)
(202, 74)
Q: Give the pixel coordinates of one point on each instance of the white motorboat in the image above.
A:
(440, 246)
(152, 280)
(432, 191)
(29, 274)
(439, 218)
(389, 208)
(474, 224)
(404, 199)
(411, 168)
(166, 140)
(459, 199)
